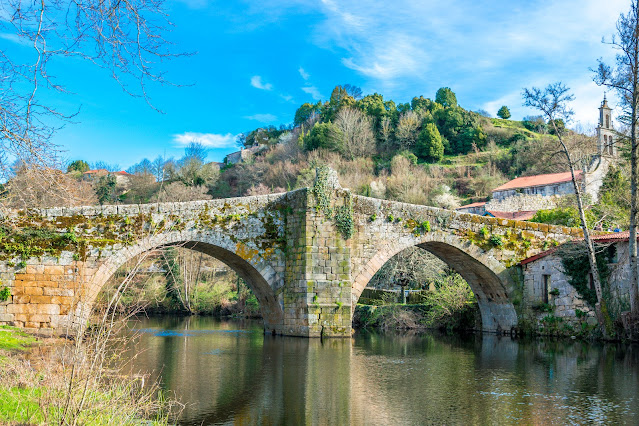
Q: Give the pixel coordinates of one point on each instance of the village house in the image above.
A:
(244, 154)
(546, 282)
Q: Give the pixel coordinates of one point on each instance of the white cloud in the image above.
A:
(209, 140)
(256, 81)
(264, 118)
(313, 91)
(304, 74)
(287, 98)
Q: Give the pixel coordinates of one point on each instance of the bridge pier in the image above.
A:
(317, 300)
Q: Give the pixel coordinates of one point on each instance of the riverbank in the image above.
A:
(48, 381)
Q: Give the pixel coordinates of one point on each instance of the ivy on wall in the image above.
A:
(574, 260)
(343, 215)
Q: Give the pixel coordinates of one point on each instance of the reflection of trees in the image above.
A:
(391, 379)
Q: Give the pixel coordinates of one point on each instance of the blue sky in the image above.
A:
(256, 62)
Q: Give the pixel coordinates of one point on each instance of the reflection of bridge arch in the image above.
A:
(258, 274)
(488, 278)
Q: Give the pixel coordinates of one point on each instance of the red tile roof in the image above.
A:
(523, 215)
(614, 236)
(538, 180)
(105, 171)
(479, 204)
(539, 255)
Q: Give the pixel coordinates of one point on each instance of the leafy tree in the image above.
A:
(339, 99)
(423, 104)
(446, 97)
(461, 128)
(613, 206)
(535, 123)
(305, 112)
(566, 216)
(105, 189)
(78, 166)
(373, 106)
(324, 135)
(503, 112)
(556, 125)
(429, 144)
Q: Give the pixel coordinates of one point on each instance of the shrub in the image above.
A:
(496, 240)
(4, 294)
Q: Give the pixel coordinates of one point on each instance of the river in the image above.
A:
(228, 372)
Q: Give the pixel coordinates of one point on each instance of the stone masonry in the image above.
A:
(306, 254)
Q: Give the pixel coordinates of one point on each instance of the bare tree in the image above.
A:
(408, 129)
(553, 103)
(124, 37)
(177, 191)
(624, 79)
(357, 133)
(38, 187)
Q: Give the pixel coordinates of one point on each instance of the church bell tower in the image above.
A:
(605, 136)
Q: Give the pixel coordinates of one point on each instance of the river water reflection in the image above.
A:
(230, 373)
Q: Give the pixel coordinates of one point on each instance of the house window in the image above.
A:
(545, 287)
(612, 254)
(607, 121)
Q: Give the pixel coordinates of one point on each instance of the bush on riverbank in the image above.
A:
(450, 306)
(41, 384)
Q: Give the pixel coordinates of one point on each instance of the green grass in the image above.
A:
(22, 406)
(12, 339)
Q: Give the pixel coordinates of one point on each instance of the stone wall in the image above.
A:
(565, 303)
(522, 202)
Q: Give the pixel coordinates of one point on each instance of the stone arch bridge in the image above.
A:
(306, 254)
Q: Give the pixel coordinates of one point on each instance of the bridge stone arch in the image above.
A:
(256, 271)
(489, 279)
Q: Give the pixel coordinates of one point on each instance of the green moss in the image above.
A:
(5, 292)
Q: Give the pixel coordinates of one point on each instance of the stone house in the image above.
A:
(548, 185)
(244, 154)
(545, 281)
(122, 178)
(474, 208)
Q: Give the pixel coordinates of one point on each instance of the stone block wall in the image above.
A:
(522, 202)
(565, 304)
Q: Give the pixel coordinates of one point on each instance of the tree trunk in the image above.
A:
(603, 317)
(634, 273)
